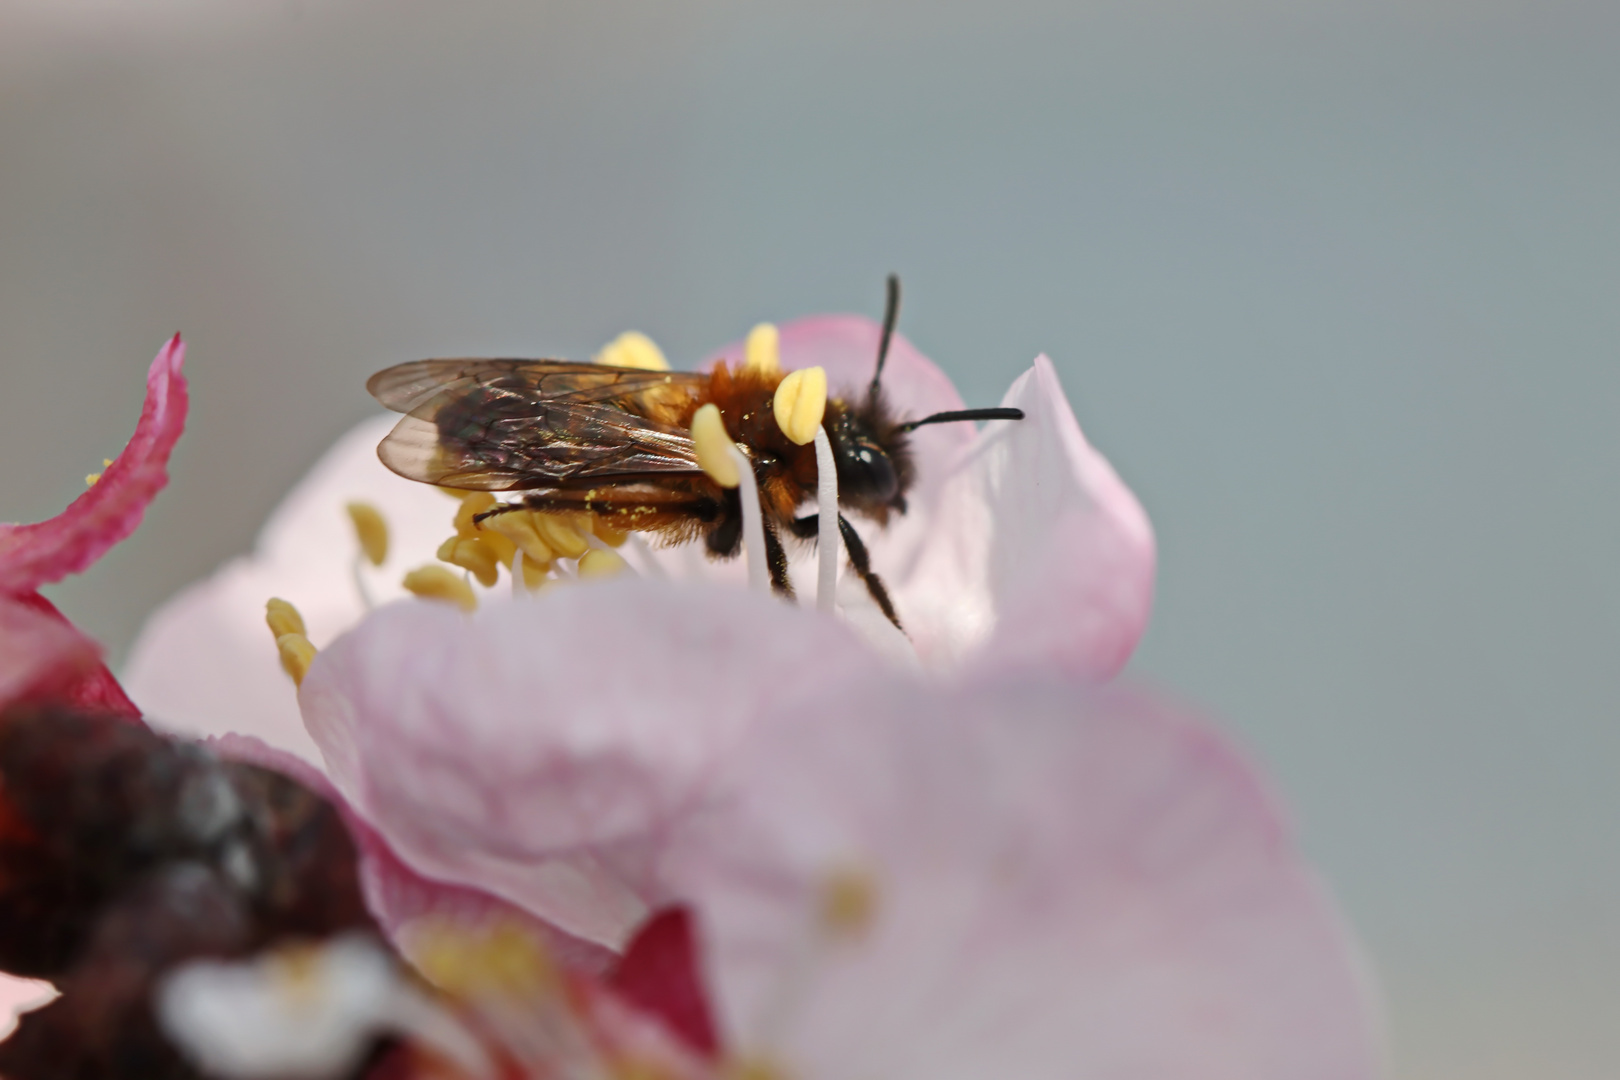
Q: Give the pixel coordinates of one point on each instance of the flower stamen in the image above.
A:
(801, 403)
(712, 443)
(762, 352)
(633, 349)
(827, 538)
(434, 582)
(292, 640)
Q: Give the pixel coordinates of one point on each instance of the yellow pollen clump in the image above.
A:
(713, 445)
(282, 617)
(518, 528)
(472, 504)
(564, 534)
(633, 349)
(433, 582)
(91, 478)
(296, 655)
(601, 563)
(371, 530)
(296, 972)
(800, 403)
(848, 904)
(474, 556)
(762, 352)
(750, 1068)
(503, 959)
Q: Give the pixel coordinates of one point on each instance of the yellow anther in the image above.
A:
(282, 617)
(371, 530)
(518, 529)
(472, 555)
(849, 899)
(504, 959)
(296, 656)
(601, 563)
(762, 352)
(750, 1068)
(534, 574)
(561, 534)
(712, 445)
(472, 504)
(800, 403)
(608, 534)
(633, 349)
(434, 582)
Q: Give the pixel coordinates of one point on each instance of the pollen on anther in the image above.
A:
(633, 349)
(282, 617)
(472, 555)
(848, 902)
(297, 653)
(712, 445)
(801, 403)
(371, 530)
(762, 350)
(433, 582)
(601, 563)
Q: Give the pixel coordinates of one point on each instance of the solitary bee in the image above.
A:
(617, 442)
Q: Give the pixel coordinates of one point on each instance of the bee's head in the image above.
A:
(871, 447)
(874, 463)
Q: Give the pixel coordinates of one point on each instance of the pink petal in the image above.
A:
(1064, 883)
(42, 657)
(537, 751)
(35, 555)
(18, 996)
(1072, 558)
(396, 895)
(205, 662)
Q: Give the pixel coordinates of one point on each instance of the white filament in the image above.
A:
(753, 525)
(357, 571)
(826, 521)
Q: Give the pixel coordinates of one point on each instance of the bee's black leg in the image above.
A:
(807, 527)
(863, 567)
(776, 558)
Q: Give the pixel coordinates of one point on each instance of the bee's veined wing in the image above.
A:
(503, 425)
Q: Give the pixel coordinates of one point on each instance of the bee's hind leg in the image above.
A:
(809, 526)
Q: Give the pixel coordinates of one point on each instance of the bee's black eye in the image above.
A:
(865, 472)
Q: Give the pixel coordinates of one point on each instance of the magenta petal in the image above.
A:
(1061, 882)
(533, 751)
(43, 657)
(47, 551)
(659, 974)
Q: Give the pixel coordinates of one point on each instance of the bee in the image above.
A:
(616, 443)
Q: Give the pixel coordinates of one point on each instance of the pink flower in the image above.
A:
(981, 866)
(1021, 545)
(1009, 873)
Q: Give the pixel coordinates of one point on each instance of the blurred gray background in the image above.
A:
(1335, 285)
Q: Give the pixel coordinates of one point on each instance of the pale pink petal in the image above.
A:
(18, 996)
(398, 896)
(1063, 883)
(1041, 556)
(541, 749)
(35, 555)
(205, 662)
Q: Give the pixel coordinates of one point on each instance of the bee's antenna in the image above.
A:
(891, 312)
(999, 412)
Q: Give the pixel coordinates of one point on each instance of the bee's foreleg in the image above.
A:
(807, 527)
(863, 566)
